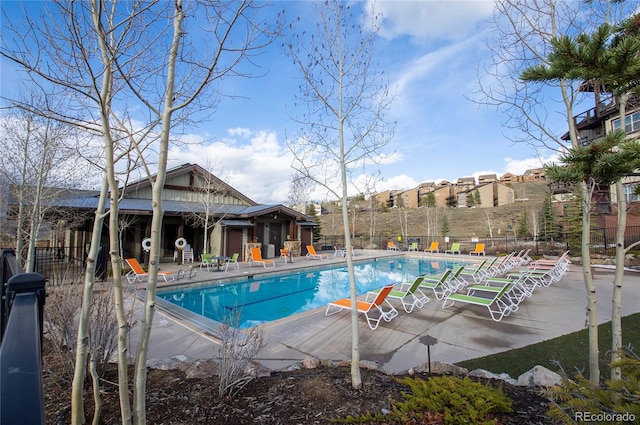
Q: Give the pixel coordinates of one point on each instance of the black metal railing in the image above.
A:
(603, 241)
(22, 306)
(67, 264)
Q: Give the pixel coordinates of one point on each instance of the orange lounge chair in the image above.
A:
(311, 253)
(479, 249)
(256, 257)
(367, 308)
(392, 246)
(433, 247)
(137, 273)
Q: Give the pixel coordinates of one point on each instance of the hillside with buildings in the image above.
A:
(426, 222)
(487, 192)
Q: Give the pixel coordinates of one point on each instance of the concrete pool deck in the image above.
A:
(462, 332)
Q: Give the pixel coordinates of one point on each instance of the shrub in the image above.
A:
(447, 399)
(236, 354)
(577, 397)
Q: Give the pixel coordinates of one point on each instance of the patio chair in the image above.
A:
(285, 254)
(413, 247)
(433, 247)
(409, 294)
(392, 246)
(455, 248)
(233, 260)
(137, 273)
(256, 257)
(206, 260)
(497, 302)
(478, 273)
(439, 284)
(339, 251)
(311, 253)
(367, 308)
(479, 249)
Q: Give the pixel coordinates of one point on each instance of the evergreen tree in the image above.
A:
(523, 228)
(310, 210)
(444, 230)
(549, 226)
(476, 198)
(470, 200)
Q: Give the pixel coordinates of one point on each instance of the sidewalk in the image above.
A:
(462, 332)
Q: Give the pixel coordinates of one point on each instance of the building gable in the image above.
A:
(188, 183)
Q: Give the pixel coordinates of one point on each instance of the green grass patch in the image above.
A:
(571, 350)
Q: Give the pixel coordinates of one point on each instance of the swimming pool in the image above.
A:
(266, 299)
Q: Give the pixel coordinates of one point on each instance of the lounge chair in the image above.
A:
(311, 253)
(455, 248)
(339, 251)
(413, 247)
(256, 257)
(285, 255)
(433, 247)
(409, 294)
(497, 302)
(439, 284)
(392, 246)
(137, 273)
(516, 294)
(367, 308)
(206, 261)
(478, 273)
(233, 260)
(479, 249)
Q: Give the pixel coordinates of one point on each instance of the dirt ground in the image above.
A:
(306, 396)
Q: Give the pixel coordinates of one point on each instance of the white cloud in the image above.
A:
(422, 20)
(254, 162)
(519, 166)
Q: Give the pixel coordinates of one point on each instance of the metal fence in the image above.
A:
(603, 241)
(67, 264)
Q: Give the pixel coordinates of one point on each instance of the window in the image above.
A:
(632, 123)
(629, 192)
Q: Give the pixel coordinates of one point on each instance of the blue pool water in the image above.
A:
(271, 298)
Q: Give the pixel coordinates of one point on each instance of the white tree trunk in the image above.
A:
(82, 343)
(140, 380)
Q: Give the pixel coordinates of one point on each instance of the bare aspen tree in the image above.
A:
(141, 54)
(524, 32)
(298, 194)
(345, 99)
(207, 188)
(38, 165)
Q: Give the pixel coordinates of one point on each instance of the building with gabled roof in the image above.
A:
(190, 192)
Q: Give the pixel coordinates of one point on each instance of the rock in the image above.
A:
(443, 368)
(481, 373)
(293, 366)
(310, 363)
(200, 368)
(367, 364)
(539, 376)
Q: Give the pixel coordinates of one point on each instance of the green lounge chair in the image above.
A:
(439, 284)
(409, 294)
(498, 302)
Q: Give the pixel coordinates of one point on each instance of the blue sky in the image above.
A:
(429, 50)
